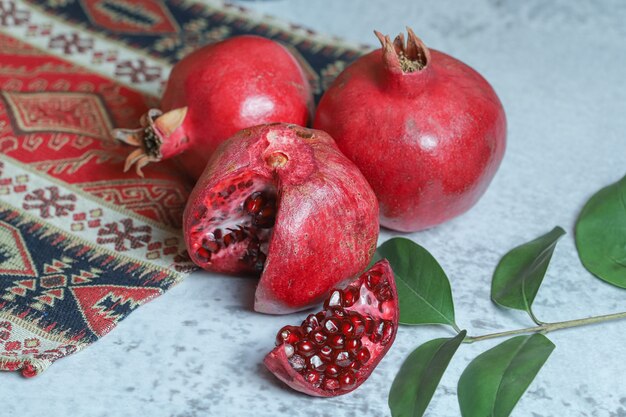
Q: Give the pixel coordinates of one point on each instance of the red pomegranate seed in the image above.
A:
(372, 279)
(347, 380)
(305, 348)
(383, 292)
(217, 233)
(320, 316)
(228, 239)
(350, 295)
(318, 337)
(288, 334)
(268, 211)
(369, 324)
(335, 299)
(310, 323)
(297, 362)
(316, 363)
(353, 344)
(337, 341)
(359, 324)
(355, 366)
(266, 218)
(204, 254)
(331, 325)
(254, 202)
(211, 245)
(239, 234)
(363, 355)
(387, 332)
(347, 328)
(377, 334)
(343, 358)
(332, 370)
(326, 351)
(331, 384)
(313, 377)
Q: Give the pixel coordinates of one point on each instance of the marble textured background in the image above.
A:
(558, 67)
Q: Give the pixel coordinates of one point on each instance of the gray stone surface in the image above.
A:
(558, 67)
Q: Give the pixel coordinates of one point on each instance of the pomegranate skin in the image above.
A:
(281, 359)
(326, 218)
(218, 90)
(429, 139)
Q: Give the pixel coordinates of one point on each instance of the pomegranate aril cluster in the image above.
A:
(259, 216)
(220, 239)
(261, 207)
(330, 347)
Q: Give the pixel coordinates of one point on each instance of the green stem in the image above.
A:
(548, 327)
(535, 319)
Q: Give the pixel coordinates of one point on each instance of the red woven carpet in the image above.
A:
(82, 244)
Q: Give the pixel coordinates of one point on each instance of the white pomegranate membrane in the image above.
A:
(232, 229)
(336, 349)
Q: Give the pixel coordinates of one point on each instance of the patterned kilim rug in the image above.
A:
(82, 244)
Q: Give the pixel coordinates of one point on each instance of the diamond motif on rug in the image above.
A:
(131, 16)
(71, 112)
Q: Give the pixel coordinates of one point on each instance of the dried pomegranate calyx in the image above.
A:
(412, 56)
(161, 135)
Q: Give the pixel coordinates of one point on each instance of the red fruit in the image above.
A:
(427, 131)
(350, 363)
(297, 210)
(213, 93)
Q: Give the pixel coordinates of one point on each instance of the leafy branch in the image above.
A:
(548, 327)
(493, 382)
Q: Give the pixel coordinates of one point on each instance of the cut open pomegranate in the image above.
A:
(334, 351)
(281, 200)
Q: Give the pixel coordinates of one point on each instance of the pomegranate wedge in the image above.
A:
(334, 351)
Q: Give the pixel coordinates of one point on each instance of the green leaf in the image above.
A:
(601, 234)
(494, 382)
(423, 288)
(415, 384)
(519, 274)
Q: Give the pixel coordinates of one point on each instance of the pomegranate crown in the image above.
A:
(157, 138)
(407, 57)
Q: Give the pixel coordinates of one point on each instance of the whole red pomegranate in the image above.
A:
(214, 92)
(334, 351)
(427, 131)
(282, 200)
